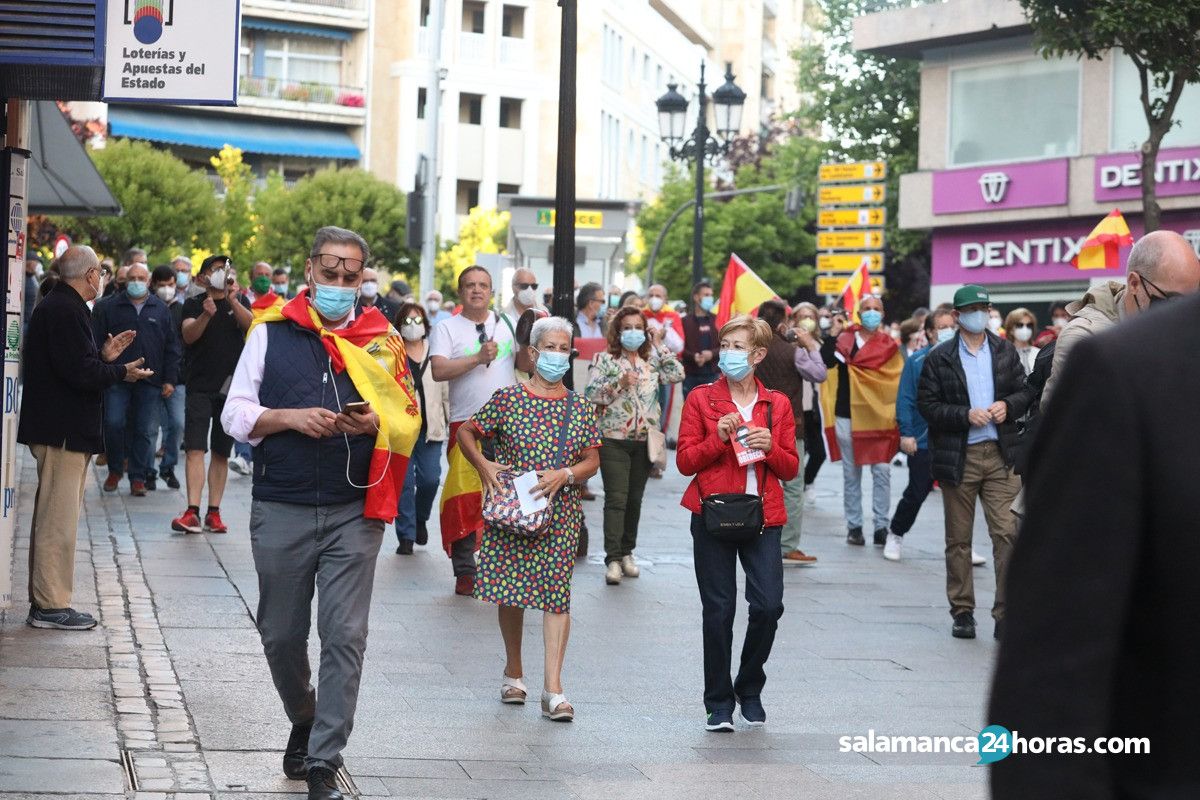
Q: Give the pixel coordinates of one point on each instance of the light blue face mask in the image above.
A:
(136, 289)
(182, 278)
(707, 303)
(735, 364)
(945, 335)
(871, 319)
(632, 339)
(973, 321)
(552, 366)
(333, 302)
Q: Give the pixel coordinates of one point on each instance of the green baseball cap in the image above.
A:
(969, 295)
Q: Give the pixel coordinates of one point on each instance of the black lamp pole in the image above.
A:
(701, 139)
(564, 194)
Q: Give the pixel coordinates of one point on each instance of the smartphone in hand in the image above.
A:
(359, 408)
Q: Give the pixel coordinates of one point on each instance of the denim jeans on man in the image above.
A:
(881, 479)
(716, 577)
(140, 404)
(420, 487)
(172, 428)
(920, 484)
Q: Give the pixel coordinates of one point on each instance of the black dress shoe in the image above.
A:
(964, 626)
(880, 537)
(422, 533)
(998, 633)
(405, 547)
(296, 752)
(151, 483)
(168, 476)
(322, 785)
(854, 536)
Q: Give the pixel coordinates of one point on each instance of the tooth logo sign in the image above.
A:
(148, 18)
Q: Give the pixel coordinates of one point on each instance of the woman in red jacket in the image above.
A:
(712, 416)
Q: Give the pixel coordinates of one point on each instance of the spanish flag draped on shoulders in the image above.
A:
(264, 303)
(874, 369)
(372, 353)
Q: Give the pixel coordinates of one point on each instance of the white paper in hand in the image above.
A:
(524, 484)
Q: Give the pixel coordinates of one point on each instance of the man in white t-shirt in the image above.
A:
(474, 351)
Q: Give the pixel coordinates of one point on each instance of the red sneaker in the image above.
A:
(464, 585)
(137, 488)
(187, 522)
(213, 524)
(112, 482)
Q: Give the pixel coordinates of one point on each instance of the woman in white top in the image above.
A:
(1020, 326)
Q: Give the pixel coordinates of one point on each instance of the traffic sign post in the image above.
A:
(854, 171)
(850, 197)
(849, 262)
(850, 240)
(851, 194)
(836, 284)
(852, 218)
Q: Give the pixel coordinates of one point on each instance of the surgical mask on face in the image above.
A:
(217, 280)
(432, 306)
(370, 289)
(182, 278)
(993, 324)
(1060, 322)
(614, 300)
(824, 323)
(1023, 333)
(136, 289)
(708, 303)
(871, 319)
(808, 324)
(261, 284)
(735, 364)
(280, 289)
(412, 333)
(165, 293)
(633, 339)
(527, 297)
(656, 303)
(973, 321)
(552, 366)
(945, 335)
(333, 302)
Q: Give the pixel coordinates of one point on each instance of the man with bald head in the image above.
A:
(1162, 265)
(525, 295)
(66, 374)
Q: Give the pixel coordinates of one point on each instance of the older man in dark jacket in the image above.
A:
(65, 377)
(972, 391)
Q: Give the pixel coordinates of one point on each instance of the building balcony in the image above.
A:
(770, 57)
(515, 52)
(470, 152)
(352, 14)
(317, 102)
(424, 49)
(473, 48)
(510, 167)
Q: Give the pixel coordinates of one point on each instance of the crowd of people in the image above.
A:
(338, 399)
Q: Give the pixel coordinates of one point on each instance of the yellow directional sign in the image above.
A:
(857, 171)
(852, 218)
(850, 240)
(849, 262)
(851, 194)
(835, 284)
(583, 218)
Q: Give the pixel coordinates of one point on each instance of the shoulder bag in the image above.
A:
(502, 509)
(656, 440)
(737, 518)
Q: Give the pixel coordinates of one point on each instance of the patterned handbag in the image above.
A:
(502, 509)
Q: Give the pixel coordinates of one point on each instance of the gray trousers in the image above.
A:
(331, 549)
(793, 501)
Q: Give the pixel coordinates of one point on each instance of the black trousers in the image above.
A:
(716, 577)
(814, 446)
(920, 484)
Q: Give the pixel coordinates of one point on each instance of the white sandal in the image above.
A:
(509, 689)
(551, 703)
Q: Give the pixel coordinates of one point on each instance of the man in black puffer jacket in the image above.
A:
(972, 392)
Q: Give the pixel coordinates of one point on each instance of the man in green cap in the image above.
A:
(972, 391)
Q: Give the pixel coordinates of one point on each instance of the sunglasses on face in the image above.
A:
(523, 286)
(1161, 296)
(413, 321)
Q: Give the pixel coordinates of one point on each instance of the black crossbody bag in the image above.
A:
(736, 518)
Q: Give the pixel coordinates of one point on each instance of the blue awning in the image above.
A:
(279, 26)
(212, 132)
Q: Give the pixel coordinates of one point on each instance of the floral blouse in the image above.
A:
(625, 412)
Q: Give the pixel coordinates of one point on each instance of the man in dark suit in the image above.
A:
(65, 378)
(1103, 604)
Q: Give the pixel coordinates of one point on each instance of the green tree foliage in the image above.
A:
(168, 207)
(348, 198)
(239, 223)
(1161, 37)
(484, 231)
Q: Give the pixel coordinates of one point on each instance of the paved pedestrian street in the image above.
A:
(171, 695)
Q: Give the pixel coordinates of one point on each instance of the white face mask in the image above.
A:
(370, 289)
(280, 288)
(656, 303)
(432, 306)
(527, 297)
(1023, 333)
(165, 293)
(1060, 322)
(994, 324)
(412, 333)
(217, 280)
(824, 323)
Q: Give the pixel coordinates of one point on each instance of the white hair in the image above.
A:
(547, 325)
(77, 261)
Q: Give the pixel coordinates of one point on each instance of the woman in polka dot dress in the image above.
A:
(517, 572)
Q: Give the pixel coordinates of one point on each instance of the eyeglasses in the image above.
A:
(352, 266)
(413, 321)
(523, 286)
(1161, 294)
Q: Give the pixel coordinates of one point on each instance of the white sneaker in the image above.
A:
(630, 567)
(239, 465)
(891, 549)
(612, 573)
(976, 559)
(810, 498)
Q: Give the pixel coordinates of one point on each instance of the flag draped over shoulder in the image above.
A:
(461, 512)
(1102, 248)
(874, 373)
(858, 287)
(264, 302)
(372, 353)
(742, 292)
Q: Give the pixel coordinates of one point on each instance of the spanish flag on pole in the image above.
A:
(858, 287)
(742, 292)
(1102, 249)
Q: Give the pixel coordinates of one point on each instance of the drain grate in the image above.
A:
(131, 783)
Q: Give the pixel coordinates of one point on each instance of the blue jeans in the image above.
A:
(716, 577)
(420, 487)
(244, 450)
(172, 428)
(140, 403)
(920, 483)
(881, 483)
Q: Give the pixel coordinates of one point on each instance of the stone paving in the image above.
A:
(171, 698)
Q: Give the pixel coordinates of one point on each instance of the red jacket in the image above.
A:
(701, 452)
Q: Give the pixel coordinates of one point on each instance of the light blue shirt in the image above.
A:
(981, 387)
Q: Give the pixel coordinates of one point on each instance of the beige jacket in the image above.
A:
(437, 407)
(1097, 311)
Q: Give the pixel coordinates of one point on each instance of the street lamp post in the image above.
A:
(728, 101)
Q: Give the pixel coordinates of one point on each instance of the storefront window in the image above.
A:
(1129, 120)
(1014, 111)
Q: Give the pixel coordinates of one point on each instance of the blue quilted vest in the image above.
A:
(290, 467)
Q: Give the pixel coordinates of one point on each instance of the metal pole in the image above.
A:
(564, 195)
(433, 105)
(701, 144)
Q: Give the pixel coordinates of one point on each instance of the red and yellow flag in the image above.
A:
(1102, 249)
(264, 302)
(874, 372)
(372, 353)
(858, 287)
(742, 292)
(461, 512)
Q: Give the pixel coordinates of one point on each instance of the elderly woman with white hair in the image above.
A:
(538, 426)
